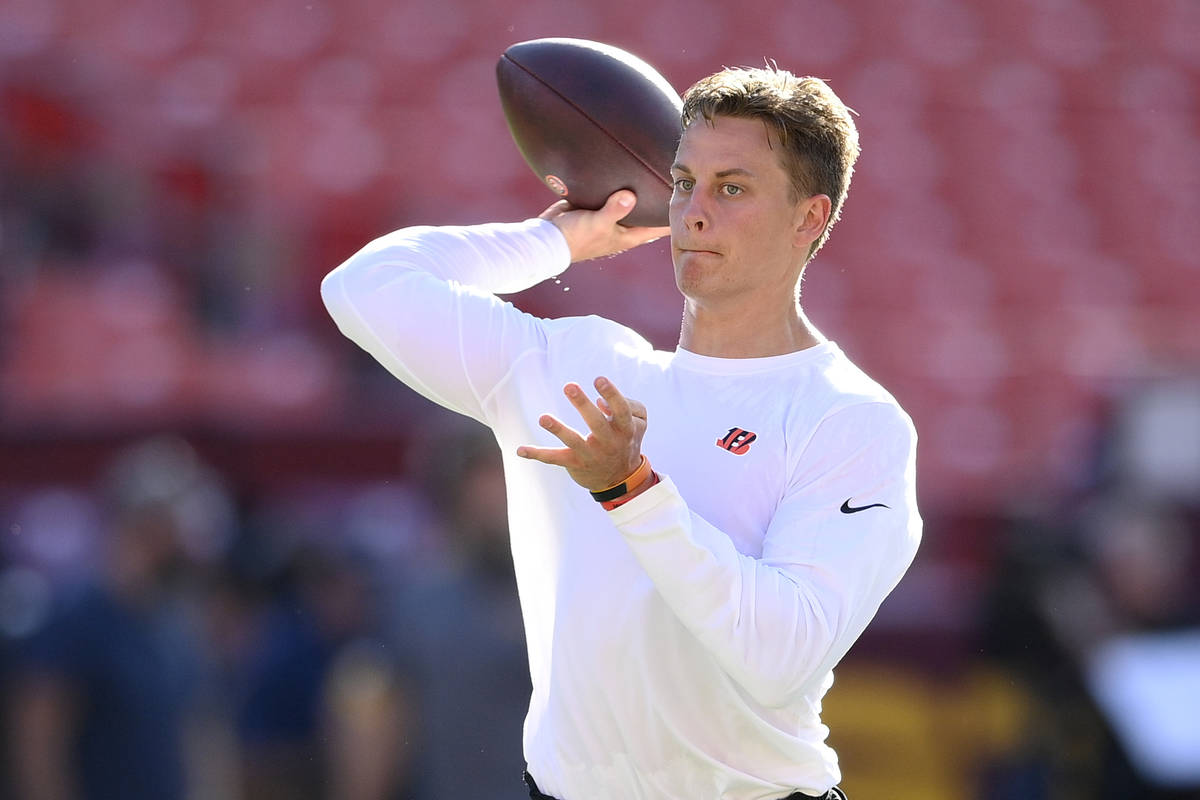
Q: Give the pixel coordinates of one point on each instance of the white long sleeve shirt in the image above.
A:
(680, 645)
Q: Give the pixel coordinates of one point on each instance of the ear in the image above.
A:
(812, 217)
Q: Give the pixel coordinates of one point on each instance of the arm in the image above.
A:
(43, 721)
(422, 300)
(367, 724)
(779, 622)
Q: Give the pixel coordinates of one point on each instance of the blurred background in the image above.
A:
(234, 565)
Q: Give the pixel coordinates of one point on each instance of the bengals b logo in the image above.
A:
(737, 441)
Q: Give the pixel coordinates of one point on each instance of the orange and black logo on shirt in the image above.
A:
(737, 441)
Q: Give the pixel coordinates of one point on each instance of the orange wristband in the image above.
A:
(609, 505)
(623, 487)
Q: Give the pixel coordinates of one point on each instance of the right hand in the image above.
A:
(593, 234)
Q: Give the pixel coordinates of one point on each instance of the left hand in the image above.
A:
(610, 452)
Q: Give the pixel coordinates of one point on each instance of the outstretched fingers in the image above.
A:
(592, 415)
(565, 433)
(609, 450)
(621, 410)
(558, 456)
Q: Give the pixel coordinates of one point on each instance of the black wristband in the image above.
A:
(619, 490)
(624, 487)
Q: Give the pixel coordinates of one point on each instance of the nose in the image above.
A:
(693, 212)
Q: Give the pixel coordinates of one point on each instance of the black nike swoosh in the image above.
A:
(848, 509)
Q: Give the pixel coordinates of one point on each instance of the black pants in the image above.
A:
(833, 794)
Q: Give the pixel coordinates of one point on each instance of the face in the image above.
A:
(736, 232)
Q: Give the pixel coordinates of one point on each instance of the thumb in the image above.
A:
(619, 204)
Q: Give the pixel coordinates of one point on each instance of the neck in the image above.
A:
(733, 333)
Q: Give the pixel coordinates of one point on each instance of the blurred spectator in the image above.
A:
(1153, 445)
(367, 721)
(1111, 575)
(457, 624)
(297, 665)
(315, 699)
(100, 699)
(1134, 574)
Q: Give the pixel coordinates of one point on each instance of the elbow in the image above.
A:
(350, 278)
(785, 686)
(336, 301)
(346, 290)
(796, 663)
(773, 694)
(331, 291)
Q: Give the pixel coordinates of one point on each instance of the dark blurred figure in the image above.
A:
(457, 622)
(314, 697)
(1096, 608)
(100, 696)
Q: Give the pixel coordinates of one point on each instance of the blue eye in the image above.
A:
(732, 189)
(684, 184)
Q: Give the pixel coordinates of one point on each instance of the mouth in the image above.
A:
(696, 251)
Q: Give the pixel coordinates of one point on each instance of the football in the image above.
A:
(589, 119)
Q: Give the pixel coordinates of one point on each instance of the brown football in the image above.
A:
(590, 119)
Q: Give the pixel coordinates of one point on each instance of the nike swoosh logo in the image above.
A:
(849, 509)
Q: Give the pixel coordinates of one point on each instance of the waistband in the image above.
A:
(833, 794)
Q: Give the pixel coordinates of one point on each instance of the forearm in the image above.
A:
(777, 623)
(496, 257)
(41, 723)
(761, 624)
(422, 302)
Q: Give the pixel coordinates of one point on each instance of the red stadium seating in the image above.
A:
(1020, 235)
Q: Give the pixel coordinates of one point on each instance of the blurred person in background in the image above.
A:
(311, 662)
(1134, 574)
(1117, 571)
(1095, 608)
(100, 697)
(313, 699)
(456, 625)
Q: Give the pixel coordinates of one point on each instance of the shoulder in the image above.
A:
(78, 619)
(839, 387)
(839, 409)
(847, 381)
(569, 336)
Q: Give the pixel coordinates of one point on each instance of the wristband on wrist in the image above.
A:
(642, 478)
(609, 505)
(623, 487)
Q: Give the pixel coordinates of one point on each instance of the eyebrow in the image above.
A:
(725, 173)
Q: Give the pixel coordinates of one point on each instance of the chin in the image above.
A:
(687, 281)
(695, 288)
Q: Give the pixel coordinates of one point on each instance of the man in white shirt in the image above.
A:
(682, 619)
